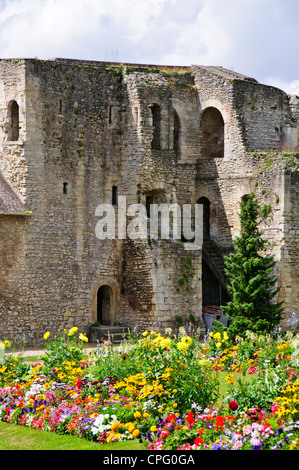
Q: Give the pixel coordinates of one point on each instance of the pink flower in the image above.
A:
(164, 434)
(237, 445)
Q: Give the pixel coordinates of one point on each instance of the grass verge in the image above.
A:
(13, 437)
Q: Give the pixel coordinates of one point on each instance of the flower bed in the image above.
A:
(163, 390)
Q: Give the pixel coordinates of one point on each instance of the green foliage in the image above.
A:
(13, 369)
(66, 347)
(249, 269)
(119, 362)
(187, 273)
(174, 362)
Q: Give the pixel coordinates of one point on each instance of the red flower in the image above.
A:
(190, 418)
(233, 405)
(171, 418)
(198, 441)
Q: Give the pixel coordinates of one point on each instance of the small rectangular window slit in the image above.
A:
(114, 195)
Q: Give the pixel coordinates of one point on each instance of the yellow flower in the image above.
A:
(137, 414)
(82, 337)
(153, 428)
(145, 333)
(175, 405)
(146, 415)
(46, 335)
(165, 343)
(218, 345)
(183, 346)
(6, 343)
(187, 340)
(135, 433)
(114, 425)
(131, 427)
(72, 331)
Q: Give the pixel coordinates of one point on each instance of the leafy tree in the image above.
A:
(249, 269)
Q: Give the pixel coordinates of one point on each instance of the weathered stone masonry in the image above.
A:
(75, 134)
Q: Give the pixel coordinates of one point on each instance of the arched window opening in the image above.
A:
(156, 116)
(65, 185)
(206, 214)
(176, 132)
(244, 199)
(104, 305)
(14, 121)
(212, 133)
(156, 196)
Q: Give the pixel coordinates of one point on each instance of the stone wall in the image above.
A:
(85, 137)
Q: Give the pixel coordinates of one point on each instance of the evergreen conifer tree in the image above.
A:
(249, 269)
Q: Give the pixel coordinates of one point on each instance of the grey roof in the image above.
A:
(226, 73)
(10, 201)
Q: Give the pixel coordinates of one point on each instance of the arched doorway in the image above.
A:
(104, 305)
(206, 214)
(212, 133)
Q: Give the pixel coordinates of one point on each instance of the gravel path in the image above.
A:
(40, 352)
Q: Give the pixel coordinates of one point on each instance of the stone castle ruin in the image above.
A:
(77, 134)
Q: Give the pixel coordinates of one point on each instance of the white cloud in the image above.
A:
(292, 87)
(255, 37)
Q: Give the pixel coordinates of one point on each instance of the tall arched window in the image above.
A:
(14, 121)
(212, 133)
(156, 116)
(176, 132)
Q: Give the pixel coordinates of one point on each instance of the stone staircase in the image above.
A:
(215, 261)
(116, 334)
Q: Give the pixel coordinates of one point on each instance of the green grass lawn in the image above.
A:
(13, 437)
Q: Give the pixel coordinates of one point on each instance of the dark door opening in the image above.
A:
(212, 291)
(104, 305)
(206, 214)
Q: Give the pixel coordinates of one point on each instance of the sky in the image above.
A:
(258, 38)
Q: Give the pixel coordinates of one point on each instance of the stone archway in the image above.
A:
(104, 305)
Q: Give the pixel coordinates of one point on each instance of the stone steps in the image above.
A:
(116, 334)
